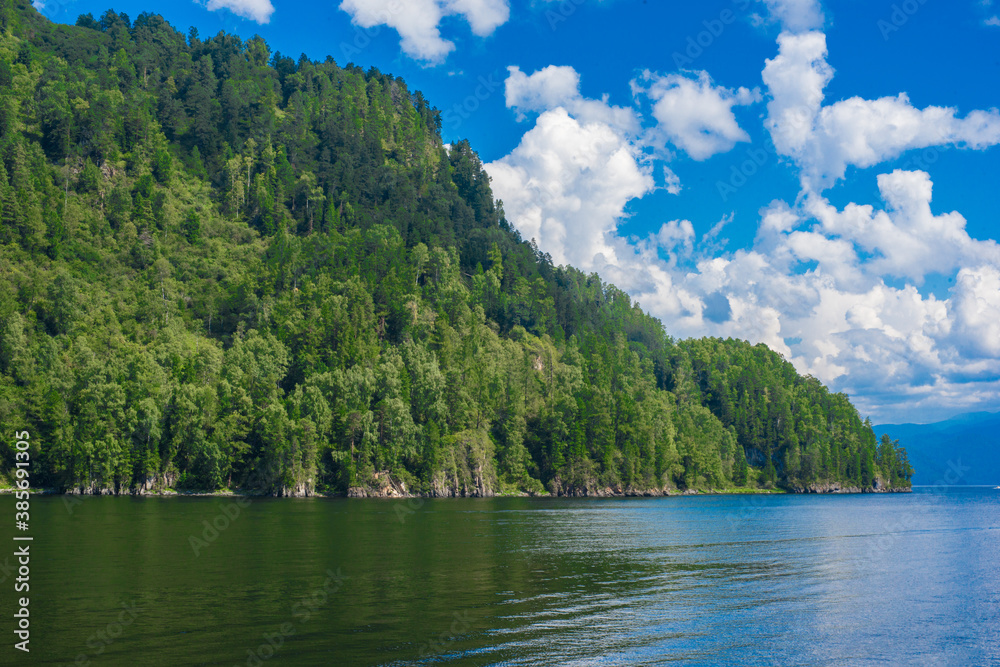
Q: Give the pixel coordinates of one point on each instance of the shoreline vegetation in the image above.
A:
(221, 267)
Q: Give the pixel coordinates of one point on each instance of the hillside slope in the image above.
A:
(225, 268)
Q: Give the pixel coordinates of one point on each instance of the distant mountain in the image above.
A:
(970, 441)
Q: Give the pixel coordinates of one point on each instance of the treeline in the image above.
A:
(226, 268)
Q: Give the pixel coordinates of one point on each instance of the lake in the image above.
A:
(810, 580)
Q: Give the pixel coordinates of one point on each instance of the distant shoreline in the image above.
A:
(957, 486)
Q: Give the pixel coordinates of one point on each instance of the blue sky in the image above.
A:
(817, 176)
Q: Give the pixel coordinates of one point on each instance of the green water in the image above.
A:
(730, 580)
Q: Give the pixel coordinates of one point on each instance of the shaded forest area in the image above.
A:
(224, 268)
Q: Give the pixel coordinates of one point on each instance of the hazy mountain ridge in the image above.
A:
(961, 450)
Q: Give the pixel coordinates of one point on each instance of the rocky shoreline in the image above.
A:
(393, 492)
(834, 487)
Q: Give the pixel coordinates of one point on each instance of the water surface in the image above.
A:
(807, 580)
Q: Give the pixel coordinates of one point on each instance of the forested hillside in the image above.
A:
(221, 267)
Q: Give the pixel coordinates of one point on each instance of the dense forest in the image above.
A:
(224, 268)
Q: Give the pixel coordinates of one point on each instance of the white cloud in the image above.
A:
(864, 133)
(568, 181)
(484, 16)
(795, 78)
(418, 21)
(547, 88)
(675, 238)
(796, 15)
(671, 181)
(906, 240)
(694, 114)
(825, 140)
(555, 87)
(975, 308)
(255, 10)
(717, 228)
(566, 185)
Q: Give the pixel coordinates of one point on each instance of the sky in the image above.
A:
(819, 176)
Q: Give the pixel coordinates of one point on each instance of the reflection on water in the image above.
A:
(698, 580)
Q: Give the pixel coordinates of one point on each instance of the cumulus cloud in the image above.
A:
(568, 181)
(674, 239)
(695, 115)
(418, 21)
(825, 140)
(864, 133)
(566, 185)
(255, 10)
(795, 79)
(906, 240)
(559, 87)
(584, 159)
(547, 88)
(975, 309)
